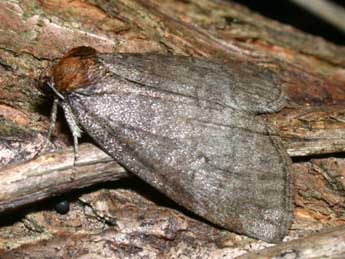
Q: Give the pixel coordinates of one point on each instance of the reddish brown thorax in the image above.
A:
(73, 69)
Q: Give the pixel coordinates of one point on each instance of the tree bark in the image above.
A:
(120, 220)
(55, 173)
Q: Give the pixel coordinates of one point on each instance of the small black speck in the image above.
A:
(62, 207)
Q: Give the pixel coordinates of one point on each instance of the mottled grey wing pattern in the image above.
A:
(240, 86)
(186, 126)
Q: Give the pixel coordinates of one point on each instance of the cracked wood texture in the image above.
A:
(127, 218)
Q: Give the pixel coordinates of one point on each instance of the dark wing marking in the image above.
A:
(210, 157)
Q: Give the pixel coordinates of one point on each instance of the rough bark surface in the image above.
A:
(127, 218)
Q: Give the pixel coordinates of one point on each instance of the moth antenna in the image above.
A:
(73, 126)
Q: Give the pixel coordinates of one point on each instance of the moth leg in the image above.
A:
(53, 116)
(73, 126)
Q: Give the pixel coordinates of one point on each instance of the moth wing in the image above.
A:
(242, 86)
(216, 160)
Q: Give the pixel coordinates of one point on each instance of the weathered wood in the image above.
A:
(309, 131)
(327, 244)
(55, 173)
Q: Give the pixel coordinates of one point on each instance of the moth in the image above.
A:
(188, 127)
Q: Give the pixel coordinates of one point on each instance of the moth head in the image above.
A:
(71, 72)
(74, 69)
(51, 91)
(46, 85)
